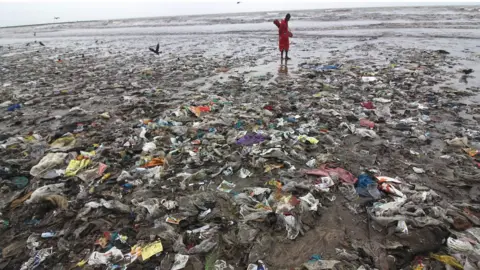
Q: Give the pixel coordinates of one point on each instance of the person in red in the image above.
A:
(283, 36)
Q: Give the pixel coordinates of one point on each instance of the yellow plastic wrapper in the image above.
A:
(67, 141)
(304, 138)
(75, 166)
(81, 263)
(446, 259)
(151, 249)
(271, 167)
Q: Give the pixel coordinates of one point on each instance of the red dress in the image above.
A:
(283, 35)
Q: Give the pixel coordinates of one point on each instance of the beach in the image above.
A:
(181, 124)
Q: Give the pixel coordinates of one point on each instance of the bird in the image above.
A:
(56, 18)
(41, 43)
(155, 51)
(467, 71)
(238, 2)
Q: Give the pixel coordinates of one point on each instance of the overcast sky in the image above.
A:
(20, 12)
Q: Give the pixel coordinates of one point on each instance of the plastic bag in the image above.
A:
(38, 258)
(449, 260)
(149, 147)
(49, 161)
(63, 144)
(291, 226)
(304, 138)
(401, 227)
(310, 202)
(251, 139)
(75, 166)
(326, 183)
(459, 246)
(46, 190)
(342, 174)
(112, 255)
(320, 264)
(222, 265)
(180, 262)
(204, 247)
(258, 266)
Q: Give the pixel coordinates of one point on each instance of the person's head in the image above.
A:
(287, 18)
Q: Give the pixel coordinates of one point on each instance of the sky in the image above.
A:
(23, 12)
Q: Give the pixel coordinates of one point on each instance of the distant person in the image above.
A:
(283, 36)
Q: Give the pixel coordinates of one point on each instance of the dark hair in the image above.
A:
(288, 16)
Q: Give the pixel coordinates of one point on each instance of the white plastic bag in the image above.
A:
(180, 262)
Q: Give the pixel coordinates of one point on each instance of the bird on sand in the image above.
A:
(467, 71)
(41, 43)
(156, 50)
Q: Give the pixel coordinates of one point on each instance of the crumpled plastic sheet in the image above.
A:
(46, 190)
(204, 247)
(49, 161)
(259, 266)
(111, 204)
(343, 175)
(449, 260)
(292, 226)
(75, 166)
(320, 264)
(459, 246)
(180, 262)
(38, 258)
(149, 147)
(310, 202)
(251, 139)
(222, 265)
(112, 255)
(325, 184)
(152, 205)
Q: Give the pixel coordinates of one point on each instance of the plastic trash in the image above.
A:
(310, 201)
(459, 142)
(260, 265)
(14, 107)
(251, 139)
(369, 79)
(222, 265)
(401, 227)
(418, 170)
(325, 184)
(368, 105)
(448, 260)
(320, 264)
(244, 173)
(304, 138)
(151, 249)
(180, 262)
(367, 123)
(76, 165)
(43, 192)
(51, 160)
(339, 173)
(149, 147)
(226, 186)
(111, 256)
(37, 259)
